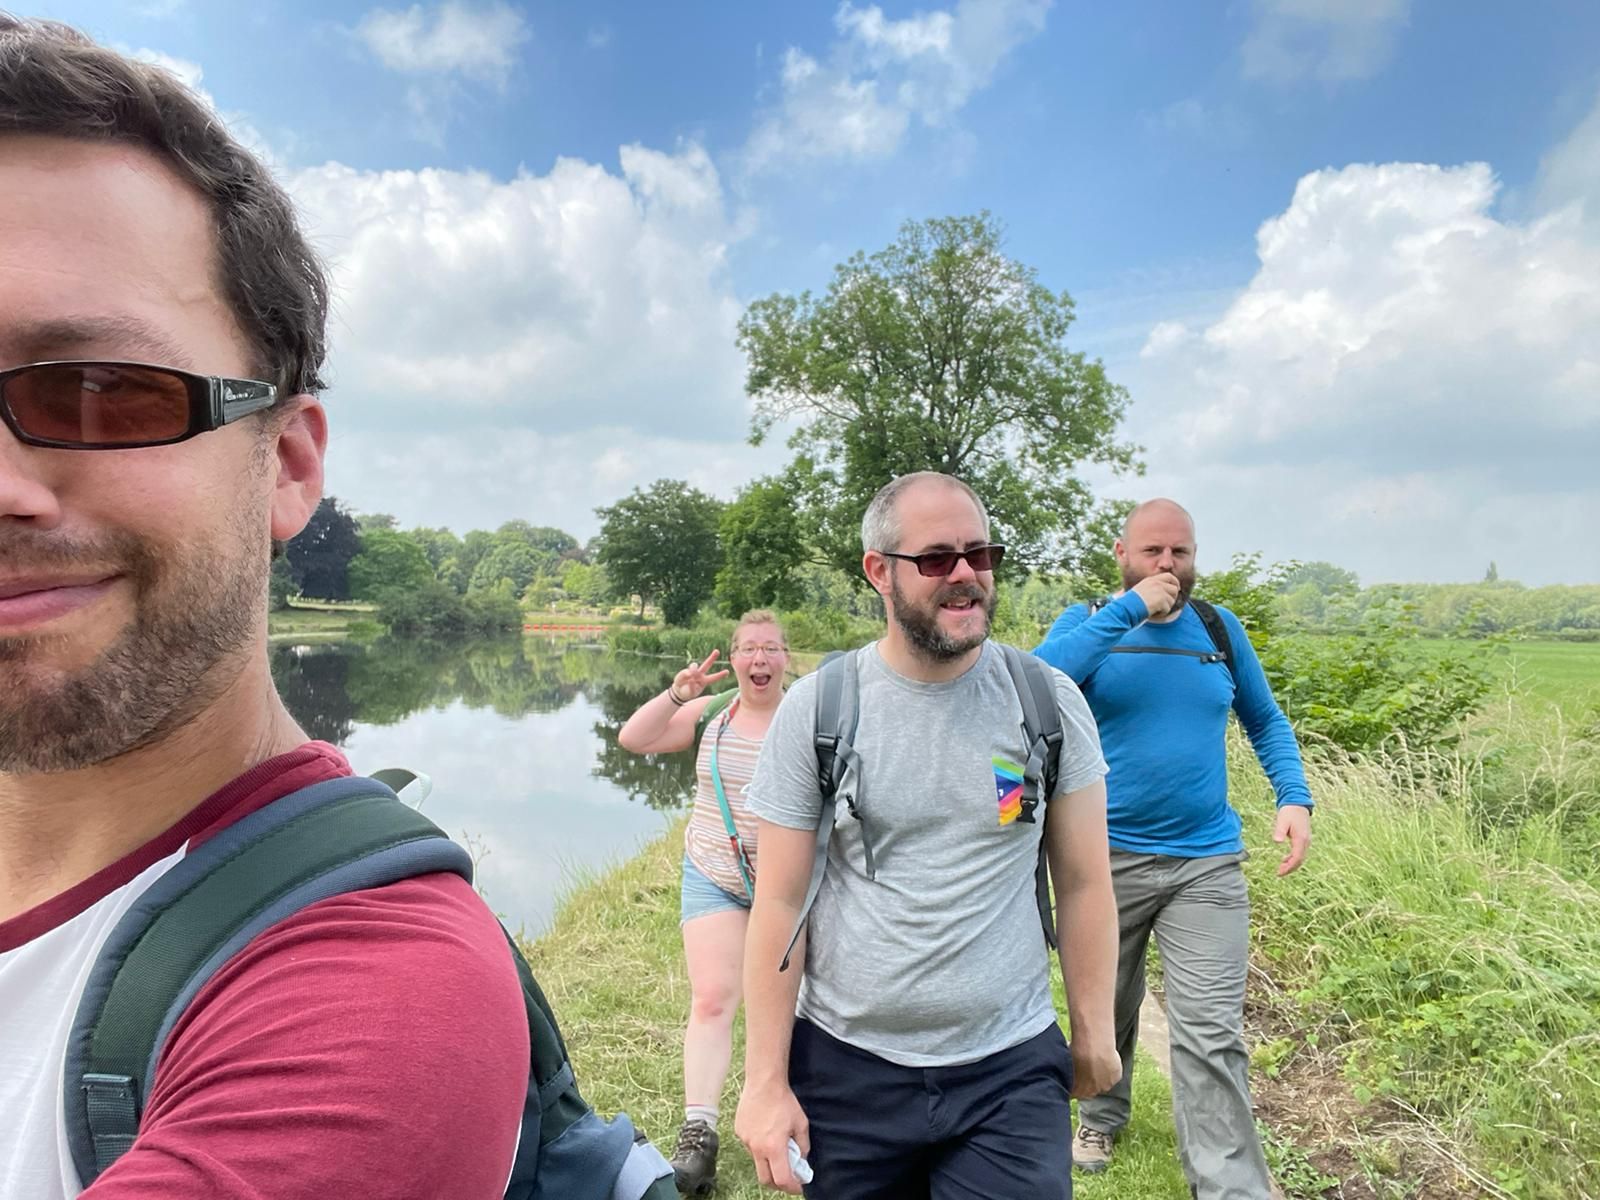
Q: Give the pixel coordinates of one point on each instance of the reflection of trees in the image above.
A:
(663, 781)
(313, 681)
(331, 687)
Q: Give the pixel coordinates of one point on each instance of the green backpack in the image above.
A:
(339, 836)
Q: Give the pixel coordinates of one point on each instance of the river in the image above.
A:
(519, 738)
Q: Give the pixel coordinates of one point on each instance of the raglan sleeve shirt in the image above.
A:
(375, 1044)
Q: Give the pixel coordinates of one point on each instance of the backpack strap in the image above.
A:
(838, 711)
(338, 836)
(1216, 629)
(1043, 734)
(719, 702)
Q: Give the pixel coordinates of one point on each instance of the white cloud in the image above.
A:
(531, 346)
(451, 39)
(882, 74)
(1570, 172)
(1327, 40)
(1412, 379)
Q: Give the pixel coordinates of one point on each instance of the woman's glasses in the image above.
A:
(119, 405)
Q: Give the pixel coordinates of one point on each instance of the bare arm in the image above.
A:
(665, 722)
(1086, 931)
(769, 1115)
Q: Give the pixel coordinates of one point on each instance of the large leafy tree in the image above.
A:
(940, 353)
(763, 549)
(319, 557)
(661, 545)
(388, 559)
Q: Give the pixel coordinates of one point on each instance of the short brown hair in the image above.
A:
(54, 81)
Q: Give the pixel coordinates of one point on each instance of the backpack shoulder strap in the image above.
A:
(1098, 603)
(1216, 630)
(837, 712)
(1043, 734)
(719, 704)
(338, 836)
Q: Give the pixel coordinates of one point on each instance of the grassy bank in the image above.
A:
(612, 966)
(1443, 943)
(312, 622)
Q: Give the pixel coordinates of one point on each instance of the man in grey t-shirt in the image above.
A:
(925, 1058)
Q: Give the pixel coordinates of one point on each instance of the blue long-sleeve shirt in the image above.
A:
(1162, 719)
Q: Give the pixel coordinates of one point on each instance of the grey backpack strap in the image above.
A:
(838, 711)
(1043, 734)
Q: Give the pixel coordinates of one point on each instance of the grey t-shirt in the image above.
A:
(940, 960)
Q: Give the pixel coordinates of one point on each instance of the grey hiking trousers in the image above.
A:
(1199, 911)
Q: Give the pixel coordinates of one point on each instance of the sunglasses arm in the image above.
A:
(232, 399)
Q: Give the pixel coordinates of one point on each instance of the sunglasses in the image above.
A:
(119, 405)
(939, 563)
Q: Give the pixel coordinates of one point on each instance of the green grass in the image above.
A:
(314, 621)
(612, 968)
(1566, 674)
(1456, 961)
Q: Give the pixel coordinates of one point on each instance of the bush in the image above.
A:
(435, 610)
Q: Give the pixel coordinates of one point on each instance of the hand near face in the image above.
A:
(694, 679)
(1159, 592)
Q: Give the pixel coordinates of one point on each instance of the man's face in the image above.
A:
(1161, 538)
(132, 582)
(942, 618)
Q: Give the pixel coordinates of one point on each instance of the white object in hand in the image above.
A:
(798, 1163)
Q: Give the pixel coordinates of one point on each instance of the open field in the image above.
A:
(1566, 674)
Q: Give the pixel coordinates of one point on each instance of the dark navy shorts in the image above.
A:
(997, 1129)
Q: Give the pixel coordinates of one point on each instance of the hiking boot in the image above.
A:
(1091, 1150)
(694, 1162)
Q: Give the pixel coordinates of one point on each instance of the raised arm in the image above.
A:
(665, 722)
(1077, 643)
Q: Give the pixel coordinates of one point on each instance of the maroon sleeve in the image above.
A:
(374, 1044)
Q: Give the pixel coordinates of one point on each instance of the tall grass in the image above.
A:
(1447, 931)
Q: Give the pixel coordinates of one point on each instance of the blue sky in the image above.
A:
(1345, 254)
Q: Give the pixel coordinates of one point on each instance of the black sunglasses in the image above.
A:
(120, 405)
(941, 562)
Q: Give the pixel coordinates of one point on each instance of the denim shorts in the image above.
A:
(701, 896)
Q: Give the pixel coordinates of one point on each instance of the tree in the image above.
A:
(763, 547)
(1326, 578)
(377, 521)
(280, 585)
(440, 545)
(319, 558)
(508, 559)
(661, 545)
(1492, 575)
(936, 353)
(388, 560)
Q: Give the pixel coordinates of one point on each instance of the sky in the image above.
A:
(1343, 254)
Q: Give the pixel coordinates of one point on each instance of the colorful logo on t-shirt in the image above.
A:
(1007, 789)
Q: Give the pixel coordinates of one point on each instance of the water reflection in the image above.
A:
(519, 736)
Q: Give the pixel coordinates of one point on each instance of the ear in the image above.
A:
(1119, 552)
(877, 569)
(301, 442)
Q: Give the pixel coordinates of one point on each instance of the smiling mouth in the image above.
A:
(760, 679)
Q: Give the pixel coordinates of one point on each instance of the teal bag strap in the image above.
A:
(741, 856)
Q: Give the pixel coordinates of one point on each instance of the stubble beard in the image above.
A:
(191, 614)
(1185, 584)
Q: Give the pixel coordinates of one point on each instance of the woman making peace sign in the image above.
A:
(719, 858)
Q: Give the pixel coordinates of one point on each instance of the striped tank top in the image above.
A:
(705, 840)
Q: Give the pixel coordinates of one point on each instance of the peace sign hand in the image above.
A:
(693, 680)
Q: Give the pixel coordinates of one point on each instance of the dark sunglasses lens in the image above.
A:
(936, 564)
(986, 558)
(98, 405)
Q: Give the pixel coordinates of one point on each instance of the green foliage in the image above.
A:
(1454, 965)
(388, 561)
(514, 562)
(586, 583)
(763, 547)
(319, 556)
(709, 632)
(440, 545)
(1324, 577)
(280, 585)
(661, 545)
(376, 522)
(432, 609)
(936, 353)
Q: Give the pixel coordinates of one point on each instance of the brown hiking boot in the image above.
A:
(1091, 1150)
(694, 1162)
